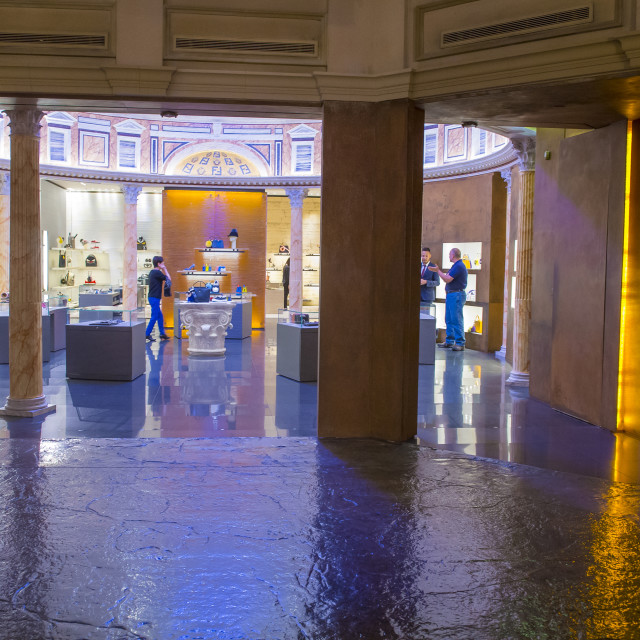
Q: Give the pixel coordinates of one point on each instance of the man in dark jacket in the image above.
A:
(429, 280)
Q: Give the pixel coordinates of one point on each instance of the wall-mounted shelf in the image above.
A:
(313, 254)
(280, 254)
(206, 274)
(212, 250)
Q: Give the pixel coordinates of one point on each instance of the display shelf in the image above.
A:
(313, 270)
(212, 250)
(313, 254)
(207, 274)
(280, 254)
(76, 268)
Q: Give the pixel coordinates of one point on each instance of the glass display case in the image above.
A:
(104, 316)
(299, 318)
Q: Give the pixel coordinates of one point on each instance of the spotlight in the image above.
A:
(169, 114)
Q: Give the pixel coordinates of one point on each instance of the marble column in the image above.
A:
(526, 151)
(26, 396)
(369, 299)
(130, 246)
(502, 352)
(5, 182)
(296, 199)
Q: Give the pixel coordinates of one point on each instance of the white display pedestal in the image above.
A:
(207, 324)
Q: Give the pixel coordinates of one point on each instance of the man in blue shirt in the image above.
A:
(456, 281)
(428, 282)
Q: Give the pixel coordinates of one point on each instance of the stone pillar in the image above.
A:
(526, 151)
(296, 199)
(502, 352)
(369, 301)
(130, 246)
(25, 317)
(5, 182)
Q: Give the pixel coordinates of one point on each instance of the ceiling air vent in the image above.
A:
(542, 22)
(54, 39)
(247, 46)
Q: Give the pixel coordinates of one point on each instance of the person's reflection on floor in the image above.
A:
(155, 393)
(452, 394)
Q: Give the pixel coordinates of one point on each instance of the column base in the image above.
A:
(27, 407)
(501, 354)
(518, 379)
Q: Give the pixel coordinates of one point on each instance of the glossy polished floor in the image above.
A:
(131, 513)
(464, 406)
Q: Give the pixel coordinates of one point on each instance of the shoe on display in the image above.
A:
(457, 347)
(445, 345)
(164, 336)
(150, 339)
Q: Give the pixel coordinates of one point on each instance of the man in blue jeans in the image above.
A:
(456, 283)
(157, 277)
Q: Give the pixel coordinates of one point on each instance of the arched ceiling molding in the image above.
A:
(488, 164)
(69, 173)
(183, 153)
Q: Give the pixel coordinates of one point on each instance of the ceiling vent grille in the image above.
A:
(54, 39)
(247, 46)
(543, 22)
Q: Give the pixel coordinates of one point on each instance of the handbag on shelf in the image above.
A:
(199, 292)
(141, 244)
(90, 261)
(62, 260)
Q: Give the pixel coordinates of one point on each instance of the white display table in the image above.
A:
(207, 324)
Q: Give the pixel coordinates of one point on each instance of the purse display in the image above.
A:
(90, 261)
(62, 259)
(142, 244)
(199, 292)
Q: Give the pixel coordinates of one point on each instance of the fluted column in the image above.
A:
(296, 199)
(502, 352)
(5, 182)
(130, 246)
(526, 150)
(25, 283)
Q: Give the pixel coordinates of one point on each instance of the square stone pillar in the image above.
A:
(369, 292)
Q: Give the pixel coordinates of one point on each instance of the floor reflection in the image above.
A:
(463, 406)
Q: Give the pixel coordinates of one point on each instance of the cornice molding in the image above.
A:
(69, 173)
(489, 164)
(358, 88)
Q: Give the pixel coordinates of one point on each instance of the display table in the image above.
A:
(4, 339)
(207, 324)
(57, 324)
(106, 352)
(427, 345)
(297, 352)
(240, 326)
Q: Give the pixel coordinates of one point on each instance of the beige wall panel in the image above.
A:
(547, 195)
(253, 27)
(59, 18)
(435, 18)
(581, 262)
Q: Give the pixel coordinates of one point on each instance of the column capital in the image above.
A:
(505, 174)
(24, 122)
(296, 196)
(525, 148)
(5, 183)
(131, 193)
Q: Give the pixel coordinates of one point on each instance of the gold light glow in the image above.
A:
(622, 413)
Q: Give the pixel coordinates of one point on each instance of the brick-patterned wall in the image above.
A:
(190, 218)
